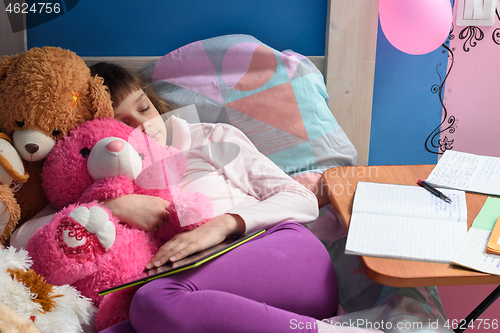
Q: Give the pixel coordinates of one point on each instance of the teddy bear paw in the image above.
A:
(4, 217)
(94, 221)
(4, 213)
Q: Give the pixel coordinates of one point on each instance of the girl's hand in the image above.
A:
(211, 233)
(144, 212)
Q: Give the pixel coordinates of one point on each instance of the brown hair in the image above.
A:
(121, 82)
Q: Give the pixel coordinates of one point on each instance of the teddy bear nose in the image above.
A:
(31, 148)
(115, 146)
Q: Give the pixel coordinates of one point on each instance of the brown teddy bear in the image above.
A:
(44, 93)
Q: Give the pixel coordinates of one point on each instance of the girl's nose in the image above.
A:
(145, 125)
(115, 146)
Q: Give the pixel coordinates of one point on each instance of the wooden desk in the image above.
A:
(341, 184)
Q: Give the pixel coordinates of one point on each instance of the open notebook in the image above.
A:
(406, 222)
(192, 261)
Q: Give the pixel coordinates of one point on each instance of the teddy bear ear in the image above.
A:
(101, 100)
(8, 61)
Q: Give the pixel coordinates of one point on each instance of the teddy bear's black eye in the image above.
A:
(19, 123)
(141, 155)
(85, 152)
(56, 132)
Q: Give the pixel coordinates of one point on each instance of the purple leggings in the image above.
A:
(277, 282)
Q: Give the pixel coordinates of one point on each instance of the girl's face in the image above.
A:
(137, 110)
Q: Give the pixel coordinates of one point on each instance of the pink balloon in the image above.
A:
(415, 26)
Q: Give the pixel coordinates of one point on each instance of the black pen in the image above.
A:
(433, 190)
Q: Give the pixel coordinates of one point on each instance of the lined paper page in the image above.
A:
(468, 172)
(406, 222)
(472, 251)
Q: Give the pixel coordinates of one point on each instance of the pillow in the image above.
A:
(278, 99)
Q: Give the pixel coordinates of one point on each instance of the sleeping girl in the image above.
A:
(280, 281)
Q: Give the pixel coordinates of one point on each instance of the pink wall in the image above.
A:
(472, 90)
(472, 98)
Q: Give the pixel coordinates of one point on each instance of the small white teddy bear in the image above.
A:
(52, 308)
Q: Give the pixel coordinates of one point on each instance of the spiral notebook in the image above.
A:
(192, 261)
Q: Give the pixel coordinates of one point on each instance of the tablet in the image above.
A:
(192, 261)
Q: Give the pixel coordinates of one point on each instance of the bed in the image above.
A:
(279, 99)
(325, 112)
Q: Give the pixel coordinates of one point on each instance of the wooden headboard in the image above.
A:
(351, 42)
(348, 65)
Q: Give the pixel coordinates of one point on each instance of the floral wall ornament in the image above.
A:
(445, 144)
(469, 95)
(433, 143)
(496, 36)
(496, 33)
(75, 98)
(472, 35)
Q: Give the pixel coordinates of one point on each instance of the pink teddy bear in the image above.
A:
(85, 245)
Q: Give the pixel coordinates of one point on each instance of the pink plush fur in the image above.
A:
(70, 250)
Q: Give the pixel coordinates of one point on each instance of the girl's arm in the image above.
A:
(21, 236)
(280, 197)
(209, 234)
(144, 212)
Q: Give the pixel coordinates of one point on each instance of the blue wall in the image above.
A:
(406, 105)
(155, 27)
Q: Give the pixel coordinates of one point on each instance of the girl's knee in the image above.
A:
(155, 302)
(157, 292)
